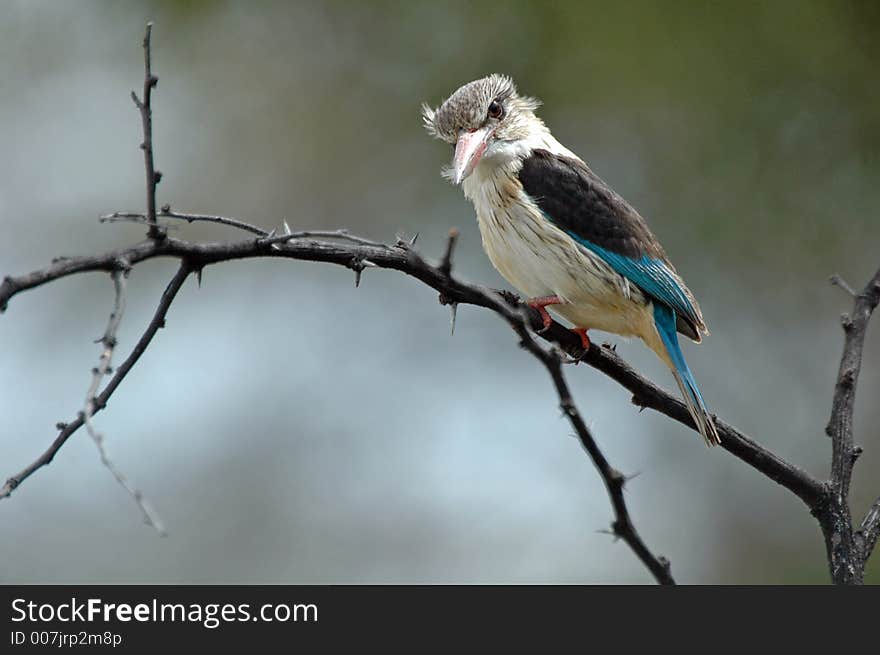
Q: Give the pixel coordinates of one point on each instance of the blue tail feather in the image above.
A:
(664, 320)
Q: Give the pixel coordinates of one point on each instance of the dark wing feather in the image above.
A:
(576, 199)
(578, 202)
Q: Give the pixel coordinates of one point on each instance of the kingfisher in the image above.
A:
(560, 235)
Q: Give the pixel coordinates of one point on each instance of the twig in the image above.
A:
(446, 263)
(108, 343)
(167, 213)
(838, 281)
(614, 480)
(146, 110)
(100, 402)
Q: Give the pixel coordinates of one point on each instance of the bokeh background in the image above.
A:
(293, 429)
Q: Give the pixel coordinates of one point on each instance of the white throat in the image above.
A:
(506, 157)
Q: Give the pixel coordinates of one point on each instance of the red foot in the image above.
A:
(585, 339)
(540, 303)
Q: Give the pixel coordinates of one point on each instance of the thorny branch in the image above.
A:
(100, 401)
(848, 549)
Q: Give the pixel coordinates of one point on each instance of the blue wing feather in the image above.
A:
(650, 275)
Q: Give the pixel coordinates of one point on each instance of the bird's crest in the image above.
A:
(466, 108)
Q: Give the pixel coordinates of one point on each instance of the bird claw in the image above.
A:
(540, 304)
(585, 339)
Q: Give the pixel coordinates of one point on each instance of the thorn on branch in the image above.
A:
(404, 243)
(358, 264)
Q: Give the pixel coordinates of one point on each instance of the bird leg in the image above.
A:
(540, 303)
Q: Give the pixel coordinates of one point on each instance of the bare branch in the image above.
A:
(848, 551)
(146, 110)
(167, 213)
(614, 480)
(100, 402)
(840, 425)
(108, 343)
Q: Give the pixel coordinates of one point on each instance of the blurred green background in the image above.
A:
(290, 428)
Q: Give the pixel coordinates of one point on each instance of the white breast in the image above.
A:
(541, 260)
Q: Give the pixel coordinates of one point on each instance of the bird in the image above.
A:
(559, 234)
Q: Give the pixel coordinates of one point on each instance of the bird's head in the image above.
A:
(486, 121)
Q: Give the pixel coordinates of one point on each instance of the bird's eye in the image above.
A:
(496, 110)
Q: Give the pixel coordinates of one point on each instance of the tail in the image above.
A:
(664, 319)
